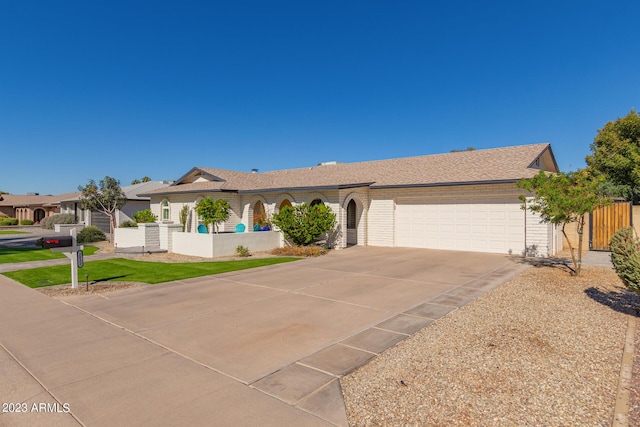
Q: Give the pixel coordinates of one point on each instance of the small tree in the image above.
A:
(213, 211)
(303, 224)
(106, 197)
(564, 198)
(135, 181)
(145, 216)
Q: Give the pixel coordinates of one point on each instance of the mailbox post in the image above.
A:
(68, 246)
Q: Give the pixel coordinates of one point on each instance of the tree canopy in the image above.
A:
(564, 198)
(213, 211)
(616, 157)
(105, 197)
(302, 224)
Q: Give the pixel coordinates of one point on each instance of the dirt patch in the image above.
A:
(94, 288)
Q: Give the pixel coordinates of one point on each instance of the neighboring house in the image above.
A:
(465, 201)
(99, 219)
(30, 206)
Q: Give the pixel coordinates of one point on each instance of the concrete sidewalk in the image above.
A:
(256, 347)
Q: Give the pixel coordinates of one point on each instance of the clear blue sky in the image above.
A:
(134, 88)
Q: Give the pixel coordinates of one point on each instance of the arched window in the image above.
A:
(315, 202)
(165, 210)
(351, 215)
(258, 213)
(285, 202)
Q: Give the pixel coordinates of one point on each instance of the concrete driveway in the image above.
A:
(255, 347)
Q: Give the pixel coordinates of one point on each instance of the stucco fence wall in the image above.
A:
(570, 229)
(66, 228)
(224, 244)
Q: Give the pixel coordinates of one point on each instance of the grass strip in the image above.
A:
(8, 255)
(13, 232)
(126, 270)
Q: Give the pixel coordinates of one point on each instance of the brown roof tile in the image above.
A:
(490, 165)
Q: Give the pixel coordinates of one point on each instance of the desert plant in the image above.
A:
(128, 224)
(184, 216)
(303, 224)
(144, 216)
(9, 221)
(243, 251)
(625, 255)
(49, 222)
(26, 222)
(106, 197)
(91, 234)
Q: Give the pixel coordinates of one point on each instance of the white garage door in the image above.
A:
(481, 225)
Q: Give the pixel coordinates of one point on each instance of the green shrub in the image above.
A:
(625, 255)
(91, 234)
(128, 224)
(303, 224)
(304, 251)
(26, 222)
(8, 221)
(243, 251)
(49, 222)
(144, 216)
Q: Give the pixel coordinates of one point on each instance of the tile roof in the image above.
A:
(20, 200)
(490, 165)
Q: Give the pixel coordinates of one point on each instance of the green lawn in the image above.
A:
(35, 254)
(120, 269)
(13, 232)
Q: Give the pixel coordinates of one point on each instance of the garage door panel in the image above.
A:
(461, 225)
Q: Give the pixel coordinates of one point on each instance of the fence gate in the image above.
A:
(606, 221)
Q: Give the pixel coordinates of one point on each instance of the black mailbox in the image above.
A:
(55, 242)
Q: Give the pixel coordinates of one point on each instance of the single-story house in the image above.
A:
(135, 203)
(34, 207)
(466, 201)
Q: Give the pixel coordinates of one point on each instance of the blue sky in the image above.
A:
(135, 88)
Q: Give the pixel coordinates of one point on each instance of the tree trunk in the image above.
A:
(581, 222)
(112, 226)
(571, 249)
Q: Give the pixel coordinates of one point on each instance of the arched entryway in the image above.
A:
(284, 203)
(38, 215)
(352, 223)
(259, 214)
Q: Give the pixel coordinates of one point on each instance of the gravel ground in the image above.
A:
(544, 349)
(634, 394)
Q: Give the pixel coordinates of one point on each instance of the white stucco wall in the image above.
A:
(225, 244)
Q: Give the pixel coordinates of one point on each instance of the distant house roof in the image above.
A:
(507, 164)
(132, 192)
(19, 200)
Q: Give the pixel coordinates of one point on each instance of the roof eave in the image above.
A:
(306, 188)
(445, 184)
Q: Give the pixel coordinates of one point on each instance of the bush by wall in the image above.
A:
(144, 216)
(91, 234)
(8, 221)
(128, 224)
(26, 222)
(625, 255)
(49, 222)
